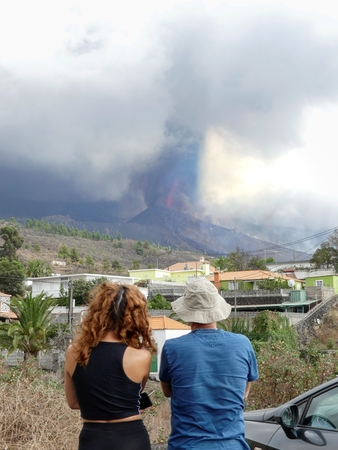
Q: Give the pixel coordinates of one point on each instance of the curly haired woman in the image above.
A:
(107, 367)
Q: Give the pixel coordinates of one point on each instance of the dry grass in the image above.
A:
(157, 417)
(34, 414)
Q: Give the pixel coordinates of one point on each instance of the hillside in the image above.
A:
(44, 246)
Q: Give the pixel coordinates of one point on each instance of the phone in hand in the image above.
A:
(145, 401)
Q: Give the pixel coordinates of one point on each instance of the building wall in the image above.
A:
(328, 281)
(149, 274)
(160, 336)
(51, 285)
(182, 276)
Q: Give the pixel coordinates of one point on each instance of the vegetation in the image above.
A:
(12, 242)
(327, 255)
(61, 229)
(82, 288)
(31, 332)
(12, 274)
(238, 260)
(273, 285)
(37, 268)
(159, 302)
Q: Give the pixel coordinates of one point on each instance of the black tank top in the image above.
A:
(103, 390)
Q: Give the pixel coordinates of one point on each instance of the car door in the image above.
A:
(318, 425)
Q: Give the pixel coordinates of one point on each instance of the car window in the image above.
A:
(323, 411)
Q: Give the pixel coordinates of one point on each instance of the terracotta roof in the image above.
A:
(191, 264)
(164, 323)
(251, 275)
(8, 315)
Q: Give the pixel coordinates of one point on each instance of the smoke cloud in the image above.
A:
(198, 110)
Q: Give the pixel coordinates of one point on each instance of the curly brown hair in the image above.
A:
(121, 308)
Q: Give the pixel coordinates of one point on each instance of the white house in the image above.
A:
(164, 328)
(51, 285)
(5, 312)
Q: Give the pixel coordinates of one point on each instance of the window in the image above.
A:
(233, 285)
(319, 283)
(323, 411)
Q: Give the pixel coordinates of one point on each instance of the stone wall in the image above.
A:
(306, 328)
(256, 297)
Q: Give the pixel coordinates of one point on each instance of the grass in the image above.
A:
(34, 414)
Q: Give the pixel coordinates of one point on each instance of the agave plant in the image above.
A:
(31, 332)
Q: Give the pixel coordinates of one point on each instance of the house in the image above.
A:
(53, 284)
(179, 272)
(320, 280)
(248, 279)
(164, 328)
(241, 290)
(5, 312)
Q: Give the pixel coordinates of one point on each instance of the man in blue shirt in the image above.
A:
(207, 373)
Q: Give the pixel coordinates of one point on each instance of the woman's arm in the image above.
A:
(70, 366)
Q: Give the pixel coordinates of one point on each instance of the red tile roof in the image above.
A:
(250, 275)
(8, 315)
(164, 323)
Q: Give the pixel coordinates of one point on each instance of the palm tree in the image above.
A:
(37, 268)
(31, 332)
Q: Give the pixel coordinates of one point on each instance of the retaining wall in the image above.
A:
(307, 328)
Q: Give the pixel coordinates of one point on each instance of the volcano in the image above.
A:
(182, 230)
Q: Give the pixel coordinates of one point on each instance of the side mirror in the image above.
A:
(288, 419)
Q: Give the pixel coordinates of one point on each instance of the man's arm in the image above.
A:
(247, 390)
(166, 388)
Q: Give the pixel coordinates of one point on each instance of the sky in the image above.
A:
(226, 109)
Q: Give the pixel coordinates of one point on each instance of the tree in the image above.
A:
(106, 265)
(273, 285)
(255, 263)
(325, 257)
(31, 332)
(82, 288)
(37, 268)
(12, 242)
(136, 265)
(235, 261)
(12, 274)
(74, 255)
(159, 302)
(138, 247)
(220, 263)
(146, 245)
(116, 265)
(90, 261)
(64, 252)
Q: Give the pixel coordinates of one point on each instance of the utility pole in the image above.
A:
(70, 312)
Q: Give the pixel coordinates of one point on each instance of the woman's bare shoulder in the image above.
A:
(139, 353)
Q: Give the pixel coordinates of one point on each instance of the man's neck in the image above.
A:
(197, 326)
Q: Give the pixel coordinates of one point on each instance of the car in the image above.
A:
(309, 421)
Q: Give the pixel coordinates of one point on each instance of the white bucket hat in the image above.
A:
(201, 303)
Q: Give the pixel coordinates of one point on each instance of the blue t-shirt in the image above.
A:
(208, 370)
